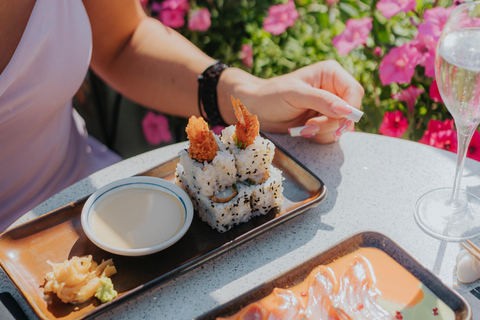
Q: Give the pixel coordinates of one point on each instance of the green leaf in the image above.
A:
(380, 31)
(348, 9)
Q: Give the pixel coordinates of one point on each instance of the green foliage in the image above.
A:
(237, 22)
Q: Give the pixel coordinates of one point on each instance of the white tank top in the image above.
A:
(43, 143)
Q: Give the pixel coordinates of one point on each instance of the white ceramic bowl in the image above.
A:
(137, 216)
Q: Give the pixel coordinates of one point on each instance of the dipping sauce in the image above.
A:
(137, 218)
(365, 284)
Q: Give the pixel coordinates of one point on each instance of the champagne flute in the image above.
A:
(453, 214)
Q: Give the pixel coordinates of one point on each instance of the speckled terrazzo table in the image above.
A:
(373, 183)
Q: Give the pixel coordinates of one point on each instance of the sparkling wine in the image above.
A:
(458, 76)
(453, 214)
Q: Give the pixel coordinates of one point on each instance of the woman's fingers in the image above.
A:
(319, 100)
(333, 78)
(336, 79)
(328, 129)
(342, 83)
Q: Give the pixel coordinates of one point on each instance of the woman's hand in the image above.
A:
(313, 96)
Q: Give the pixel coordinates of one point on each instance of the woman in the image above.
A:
(45, 50)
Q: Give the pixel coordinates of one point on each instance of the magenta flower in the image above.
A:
(410, 96)
(434, 93)
(426, 48)
(399, 65)
(435, 20)
(440, 135)
(172, 12)
(155, 129)
(389, 8)
(473, 150)
(355, 33)
(200, 20)
(280, 17)
(247, 55)
(155, 6)
(394, 124)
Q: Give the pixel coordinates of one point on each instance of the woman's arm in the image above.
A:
(144, 60)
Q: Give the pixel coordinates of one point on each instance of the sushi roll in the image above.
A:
(207, 163)
(253, 154)
(223, 211)
(229, 179)
(268, 194)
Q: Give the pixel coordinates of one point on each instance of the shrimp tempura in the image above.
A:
(203, 146)
(247, 126)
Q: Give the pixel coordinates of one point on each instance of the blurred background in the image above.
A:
(387, 45)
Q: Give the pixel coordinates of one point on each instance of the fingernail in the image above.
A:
(350, 126)
(305, 131)
(346, 111)
(343, 128)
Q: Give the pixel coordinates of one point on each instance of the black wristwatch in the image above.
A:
(207, 94)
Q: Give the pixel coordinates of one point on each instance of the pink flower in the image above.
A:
(378, 51)
(389, 8)
(355, 33)
(409, 95)
(217, 129)
(330, 2)
(172, 12)
(394, 124)
(435, 20)
(473, 150)
(200, 20)
(247, 55)
(434, 93)
(426, 48)
(468, 22)
(280, 17)
(172, 18)
(176, 5)
(399, 65)
(155, 128)
(440, 135)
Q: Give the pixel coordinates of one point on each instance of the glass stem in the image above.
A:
(463, 142)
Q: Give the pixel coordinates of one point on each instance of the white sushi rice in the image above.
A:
(269, 194)
(213, 177)
(251, 200)
(220, 216)
(254, 160)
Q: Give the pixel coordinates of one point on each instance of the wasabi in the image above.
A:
(105, 291)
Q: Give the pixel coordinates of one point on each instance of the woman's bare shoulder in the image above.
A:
(14, 17)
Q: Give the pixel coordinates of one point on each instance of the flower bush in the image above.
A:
(387, 45)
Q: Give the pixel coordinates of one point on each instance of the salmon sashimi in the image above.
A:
(247, 126)
(322, 296)
(203, 146)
